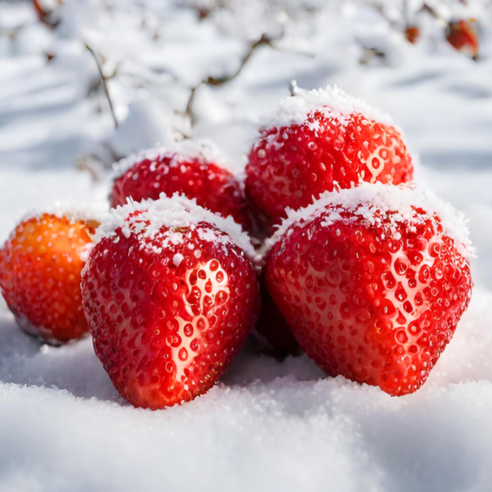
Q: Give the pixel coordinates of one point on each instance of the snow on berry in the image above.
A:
(399, 201)
(319, 140)
(40, 270)
(196, 169)
(373, 282)
(170, 299)
(147, 217)
(295, 110)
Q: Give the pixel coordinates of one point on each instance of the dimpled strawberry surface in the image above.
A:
(40, 267)
(376, 302)
(168, 311)
(196, 176)
(292, 164)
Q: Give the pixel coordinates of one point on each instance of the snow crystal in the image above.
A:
(177, 259)
(331, 101)
(176, 212)
(367, 198)
(204, 151)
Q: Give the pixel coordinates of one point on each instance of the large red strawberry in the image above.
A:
(319, 140)
(40, 267)
(373, 282)
(170, 298)
(195, 169)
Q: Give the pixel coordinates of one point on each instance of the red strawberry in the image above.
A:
(169, 298)
(373, 283)
(195, 169)
(40, 267)
(463, 37)
(318, 140)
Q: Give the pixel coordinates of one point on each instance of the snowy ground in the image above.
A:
(266, 426)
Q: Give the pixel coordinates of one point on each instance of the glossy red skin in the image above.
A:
(212, 186)
(367, 306)
(166, 333)
(291, 166)
(40, 268)
(463, 37)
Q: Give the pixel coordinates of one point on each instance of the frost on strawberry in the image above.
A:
(40, 270)
(319, 140)
(195, 169)
(170, 295)
(373, 282)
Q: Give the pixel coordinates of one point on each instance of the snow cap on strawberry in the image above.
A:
(316, 141)
(373, 281)
(170, 295)
(196, 169)
(401, 201)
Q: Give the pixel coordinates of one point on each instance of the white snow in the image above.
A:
(145, 125)
(204, 151)
(176, 211)
(73, 211)
(267, 426)
(332, 102)
(367, 199)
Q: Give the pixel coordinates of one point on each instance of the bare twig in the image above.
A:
(189, 105)
(104, 80)
(264, 40)
(380, 8)
(45, 16)
(430, 10)
(218, 81)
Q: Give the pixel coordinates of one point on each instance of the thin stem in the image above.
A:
(218, 81)
(105, 85)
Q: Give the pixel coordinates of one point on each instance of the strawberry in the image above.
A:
(373, 282)
(40, 268)
(195, 169)
(462, 36)
(170, 298)
(317, 141)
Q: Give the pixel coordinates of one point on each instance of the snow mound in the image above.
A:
(365, 199)
(203, 151)
(149, 216)
(146, 125)
(331, 430)
(331, 101)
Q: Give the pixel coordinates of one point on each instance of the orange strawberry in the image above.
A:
(40, 268)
